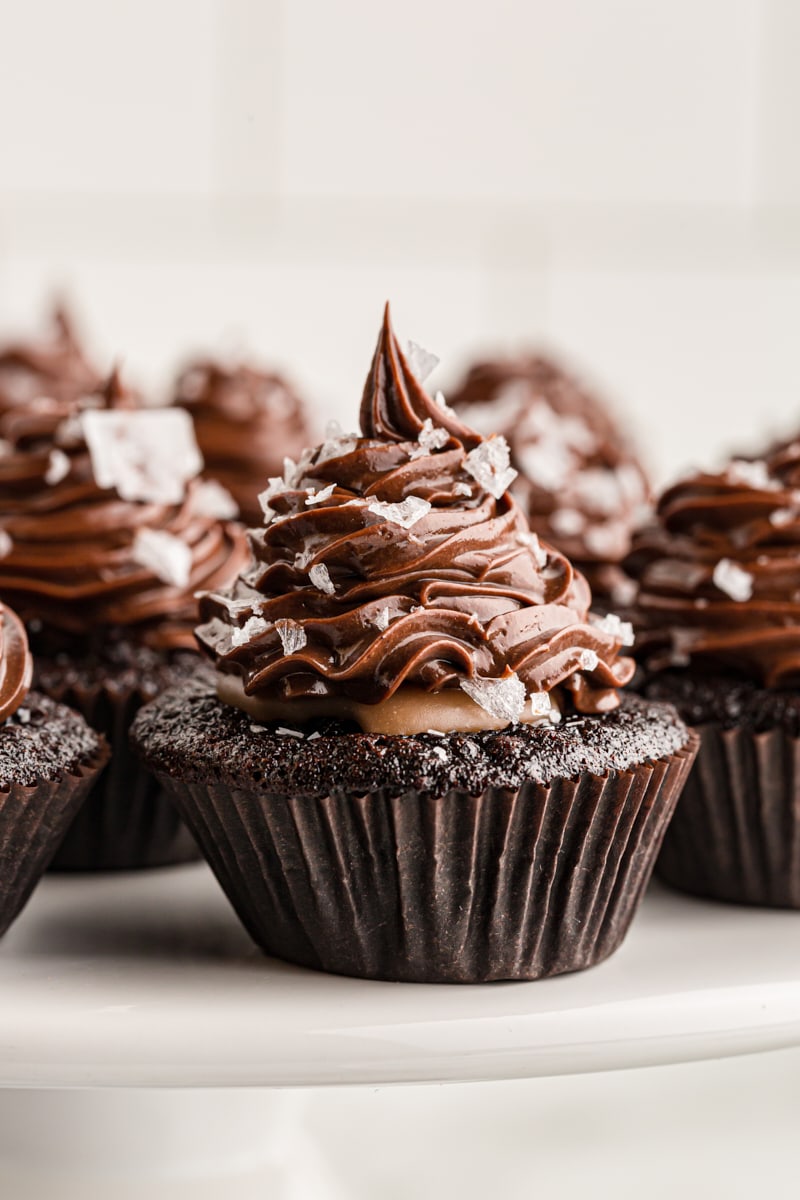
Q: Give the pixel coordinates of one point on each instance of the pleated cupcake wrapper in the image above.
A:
(736, 831)
(33, 822)
(510, 884)
(127, 821)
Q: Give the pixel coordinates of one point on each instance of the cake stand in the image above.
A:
(143, 1036)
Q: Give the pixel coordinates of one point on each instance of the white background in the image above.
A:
(616, 178)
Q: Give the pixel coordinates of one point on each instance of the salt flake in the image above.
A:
(58, 467)
(782, 517)
(321, 496)
(253, 627)
(502, 698)
(752, 474)
(405, 514)
(211, 499)
(568, 521)
(489, 463)
(285, 731)
(275, 486)
(733, 580)
(531, 541)
(147, 455)
(381, 619)
(588, 660)
(168, 557)
(321, 579)
(462, 489)
(614, 626)
(420, 360)
(292, 635)
(431, 437)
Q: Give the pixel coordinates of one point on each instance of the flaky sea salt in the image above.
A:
(588, 660)
(782, 517)
(145, 455)
(285, 731)
(321, 579)
(614, 626)
(211, 499)
(168, 557)
(337, 443)
(275, 486)
(321, 496)
(502, 698)
(234, 608)
(253, 627)
(531, 541)
(489, 465)
(462, 489)
(752, 474)
(431, 437)
(600, 490)
(435, 732)
(548, 464)
(58, 467)
(381, 619)
(405, 514)
(441, 403)
(312, 737)
(733, 580)
(420, 360)
(292, 635)
(540, 704)
(604, 540)
(302, 559)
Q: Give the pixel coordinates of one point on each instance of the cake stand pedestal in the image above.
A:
(142, 1035)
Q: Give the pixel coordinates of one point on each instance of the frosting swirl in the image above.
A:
(56, 366)
(579, 482)
(16, 664)
(719, 571)
(397, 560)
(79, 557)
(246, 420)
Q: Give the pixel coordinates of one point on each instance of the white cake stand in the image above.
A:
(119, 985)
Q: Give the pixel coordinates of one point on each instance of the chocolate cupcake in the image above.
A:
(105, 535)
(719, 636)
(247, 421)
(49, 758)
(579, 481)
(413, 763)
(56, 366)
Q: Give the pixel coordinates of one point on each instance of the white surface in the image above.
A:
(148, 980)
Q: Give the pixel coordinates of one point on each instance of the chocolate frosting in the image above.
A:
(16, 664)
(246, 420)
(396, 559)
(579, 482)
(67, 545)
(719, 572)
(56, 366)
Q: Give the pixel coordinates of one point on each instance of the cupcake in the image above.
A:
(56, 366)
(414, 762)
(105, 535)
(246, 421)
(49, 758)
(718, 617)
(579, 482)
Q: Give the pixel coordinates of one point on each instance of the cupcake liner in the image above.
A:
(736, 831)
(510, 884)
(33, 820)
(127, 821)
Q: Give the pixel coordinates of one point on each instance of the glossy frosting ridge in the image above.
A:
(16, 664)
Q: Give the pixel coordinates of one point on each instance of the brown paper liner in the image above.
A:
(736, 831)
(33, 821)
(510, 884)
(128, 821)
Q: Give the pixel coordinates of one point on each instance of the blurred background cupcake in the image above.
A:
(106, 533)
(247, 420)
(718, 634)
(55, 365)
(580, 482)
(49, 758)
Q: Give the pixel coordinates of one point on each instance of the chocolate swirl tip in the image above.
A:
(16, 664)
(394, 405)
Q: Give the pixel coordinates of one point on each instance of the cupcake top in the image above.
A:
(16, 664)
(103, 522)
(719, 572)
(579, 482)
(246, 420)
(55, 366)
(397, 583)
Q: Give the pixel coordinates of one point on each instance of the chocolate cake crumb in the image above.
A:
(188, 732)
(44, 740)
(729, 700)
